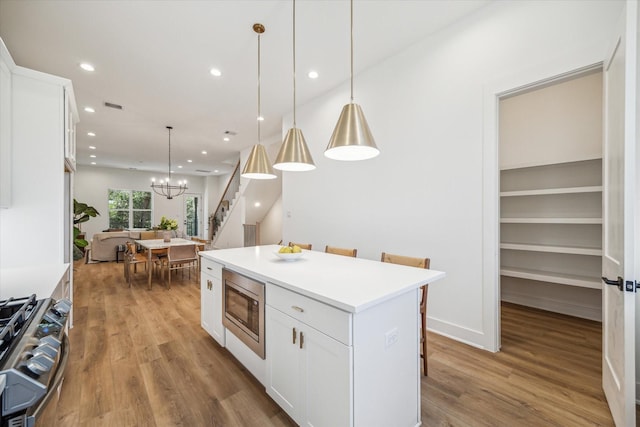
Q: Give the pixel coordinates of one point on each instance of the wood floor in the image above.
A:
(140, 358)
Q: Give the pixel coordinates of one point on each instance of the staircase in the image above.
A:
(225, 206)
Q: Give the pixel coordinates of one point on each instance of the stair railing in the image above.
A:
(215, 220)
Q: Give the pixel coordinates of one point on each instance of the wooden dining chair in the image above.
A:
(132, 258)
(341, 251)
(301, 245)
(419, 263)
(179, 257)
(201, 246)
(157, 255)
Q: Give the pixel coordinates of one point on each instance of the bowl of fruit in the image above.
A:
(289, 253)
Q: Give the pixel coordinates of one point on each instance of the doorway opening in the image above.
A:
(193, 215)
(550, 205)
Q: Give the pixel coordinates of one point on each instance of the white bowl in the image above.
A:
(289, 256)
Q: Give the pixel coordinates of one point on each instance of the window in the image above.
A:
(129, 209)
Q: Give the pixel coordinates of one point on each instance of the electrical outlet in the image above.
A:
(390, 337)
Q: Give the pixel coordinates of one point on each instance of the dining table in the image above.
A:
(152, 245)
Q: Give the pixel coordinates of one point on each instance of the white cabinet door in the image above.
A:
(69, 133)
(5, 135)
(308, 372)
(211, 299)
(217, 330)
(283, 361)
(327, 381)
(206, 302)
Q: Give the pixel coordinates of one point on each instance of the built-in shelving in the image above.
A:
(563, 279)
(551, 220)
(547, 191)
(552, 249)
(567, 196)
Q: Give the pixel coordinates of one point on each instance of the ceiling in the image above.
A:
(153, 58)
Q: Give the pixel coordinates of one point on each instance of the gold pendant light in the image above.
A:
(294, 154)
(258, 165)
(351, 138)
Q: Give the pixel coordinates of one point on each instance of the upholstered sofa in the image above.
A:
(104, 245)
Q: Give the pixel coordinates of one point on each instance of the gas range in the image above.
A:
(33, 353)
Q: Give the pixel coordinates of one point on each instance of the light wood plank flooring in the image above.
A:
(140, 358)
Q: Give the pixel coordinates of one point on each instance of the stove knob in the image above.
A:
(63, 306)
(52, 317)
(51, 341)
(45, 349)
(40, 364)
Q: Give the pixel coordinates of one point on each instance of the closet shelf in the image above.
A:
(546, 191)
(545, 276)
(571, 220)
(552, 249)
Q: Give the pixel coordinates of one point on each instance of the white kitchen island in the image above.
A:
(341, 334)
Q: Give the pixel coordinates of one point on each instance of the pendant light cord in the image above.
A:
(294, 63)
(259, 114)
(352, 51)
(169, 128)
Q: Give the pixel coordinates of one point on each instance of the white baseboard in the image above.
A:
(468, 336)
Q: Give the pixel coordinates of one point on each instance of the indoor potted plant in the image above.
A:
(81, 213)
(169, 225)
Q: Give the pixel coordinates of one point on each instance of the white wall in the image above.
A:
(423, 196)
(92, 186)
(271, 225)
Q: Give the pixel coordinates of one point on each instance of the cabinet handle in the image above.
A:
(209, 268)
(301, 339)
(209, 285)
(296, 308)
(293, 336)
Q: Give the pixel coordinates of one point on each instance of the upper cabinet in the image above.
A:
(6, 63)
(70, 120)
(37, 121)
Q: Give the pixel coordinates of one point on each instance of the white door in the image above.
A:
(618, 303)
(192, 215)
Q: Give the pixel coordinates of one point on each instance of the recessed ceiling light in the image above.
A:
(93, 156)
(87, 67)
(215, 72)
(93, 163)
(91, 134)
(216, 171)
(260, 118)
(189, 161)
(179, 166)
(313, 74)
(226, 139)
(89, 110)
(256, 204)
(204, 152)
(91, 147)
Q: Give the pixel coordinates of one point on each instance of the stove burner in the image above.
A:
(33, 353)
(14, 314)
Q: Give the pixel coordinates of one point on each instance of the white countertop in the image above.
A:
(350, 284)
(41, 280)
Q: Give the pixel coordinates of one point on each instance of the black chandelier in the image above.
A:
(164, 187)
